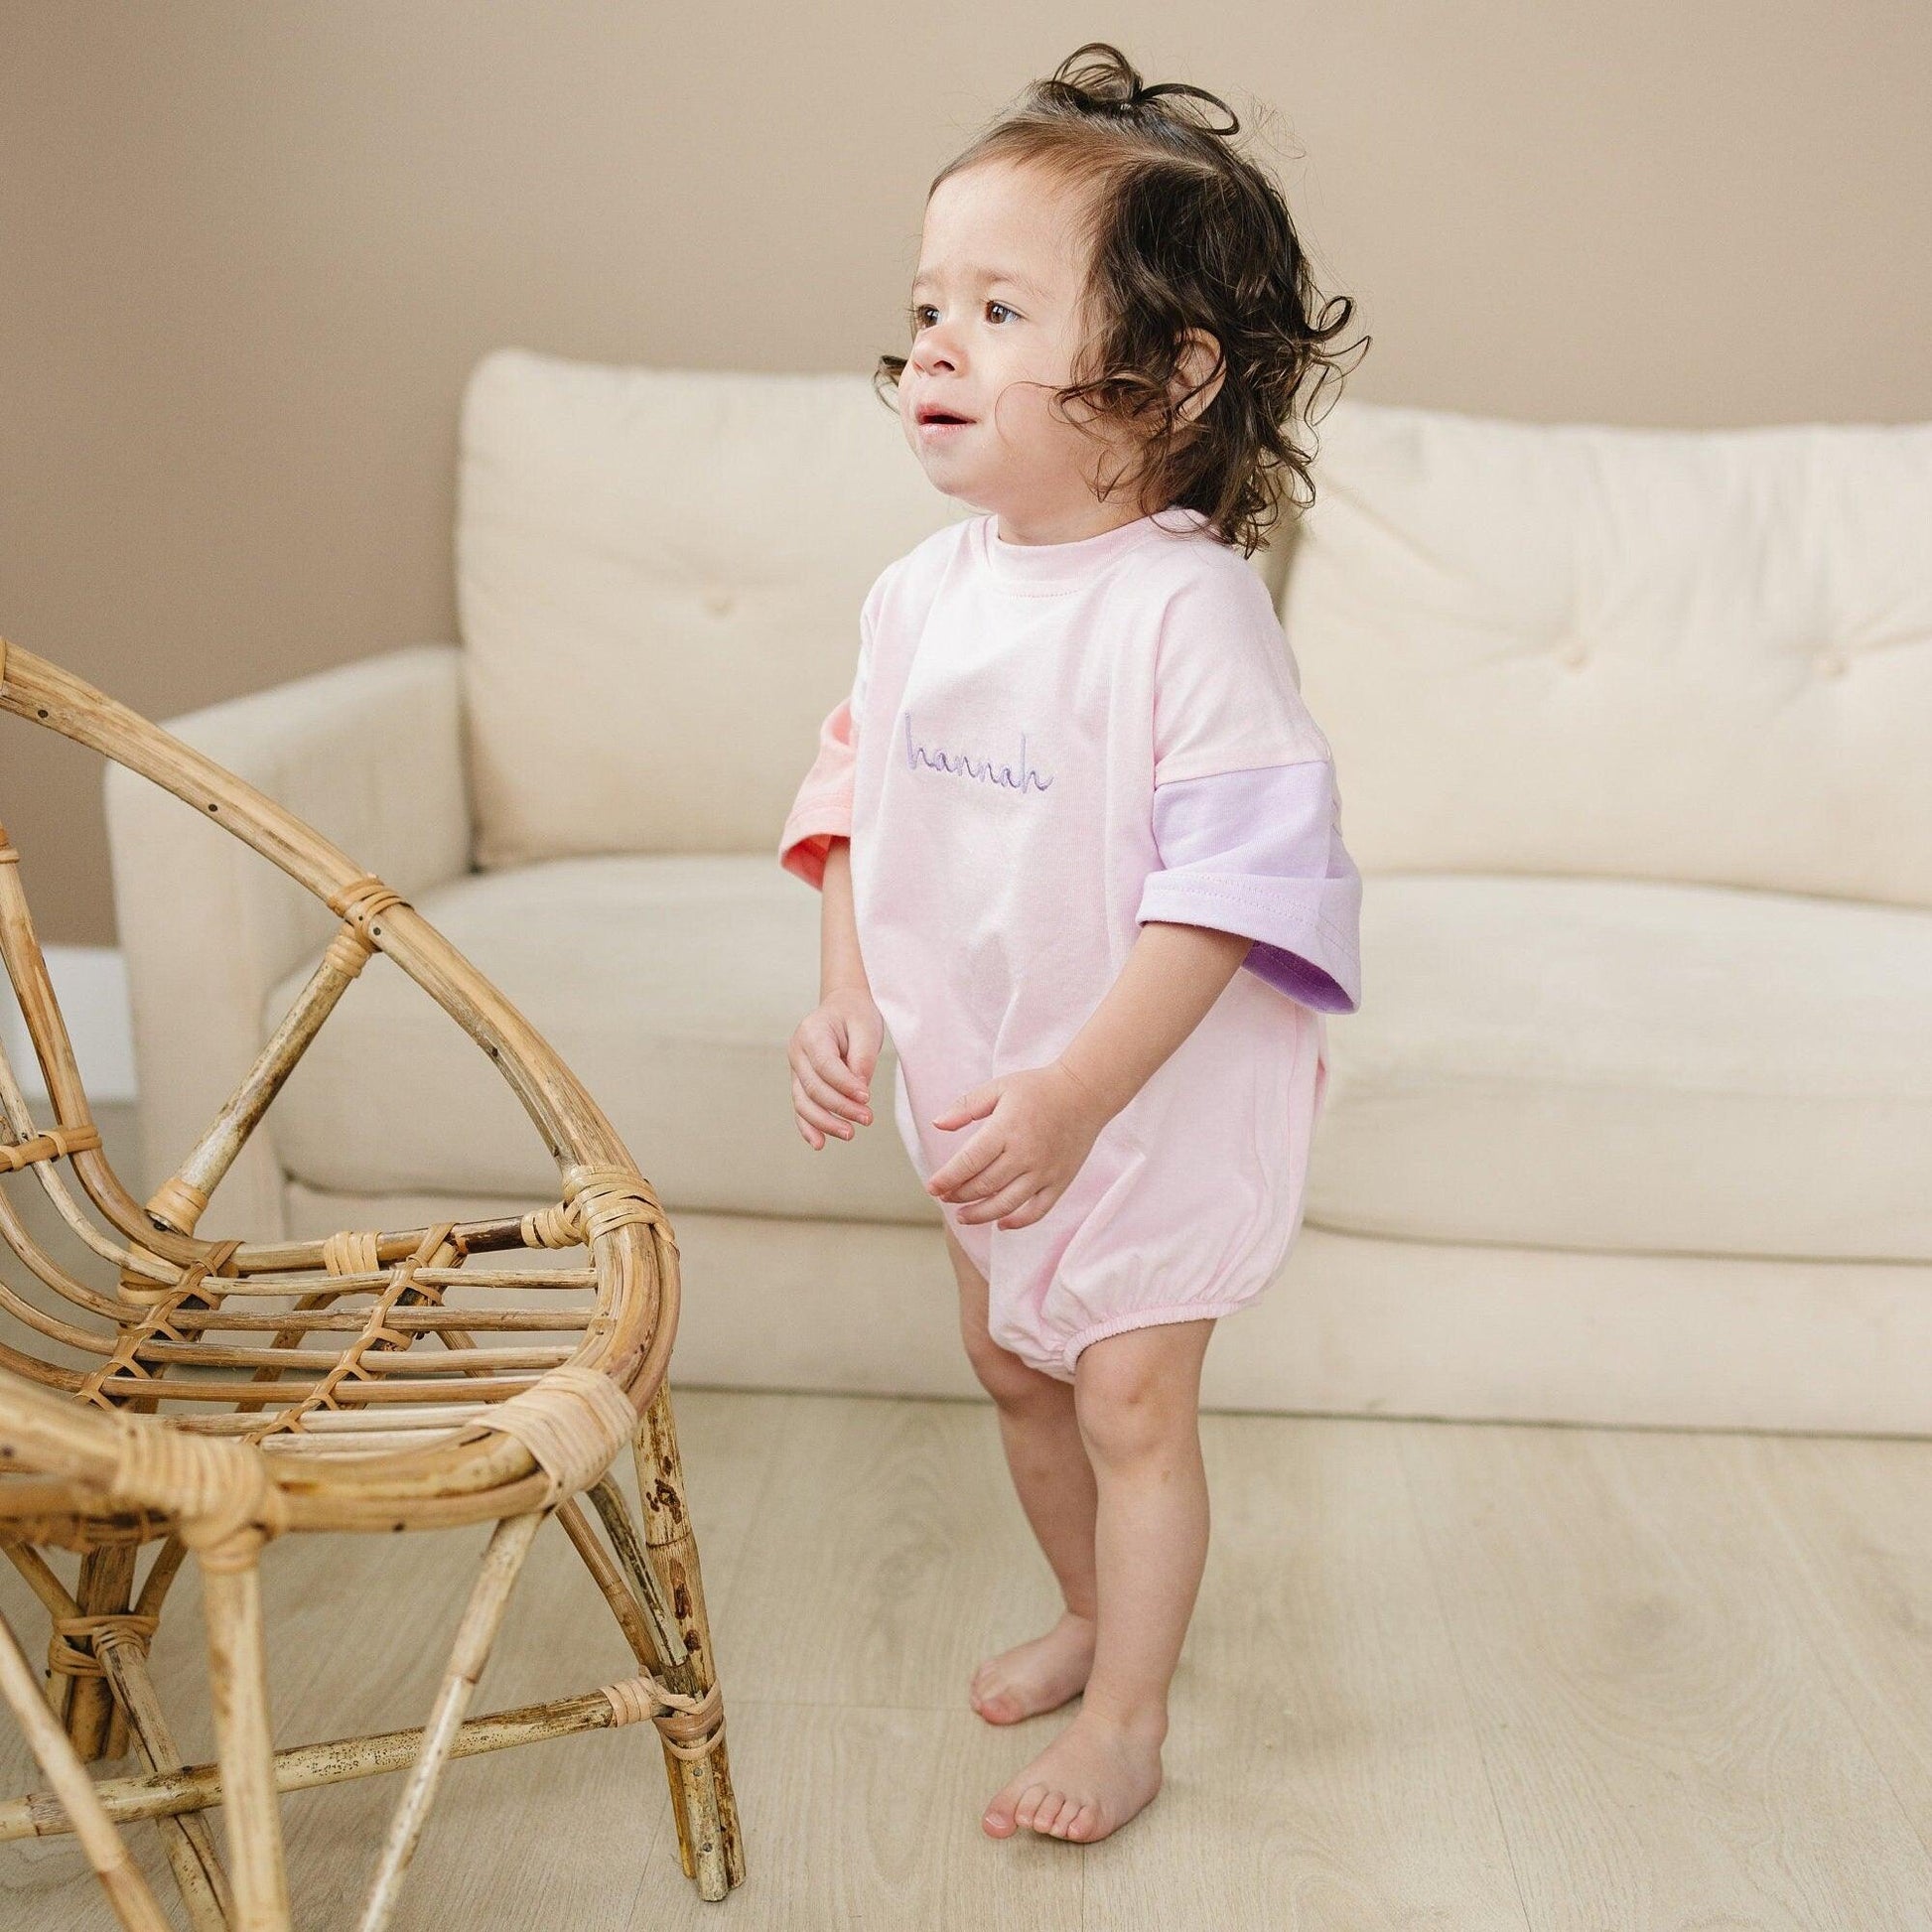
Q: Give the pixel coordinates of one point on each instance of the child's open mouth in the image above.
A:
(936, 420)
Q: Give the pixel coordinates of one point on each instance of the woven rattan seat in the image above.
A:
(210, 1395)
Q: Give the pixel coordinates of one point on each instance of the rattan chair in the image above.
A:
(212, 1395)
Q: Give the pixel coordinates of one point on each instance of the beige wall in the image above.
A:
(250, 253)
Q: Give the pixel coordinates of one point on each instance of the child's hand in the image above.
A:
(832, 1054)
(1040, 1124)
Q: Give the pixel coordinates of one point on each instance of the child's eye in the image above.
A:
(920, 310)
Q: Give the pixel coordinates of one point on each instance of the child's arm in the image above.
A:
(836, 1046)
(1044, 1120)
(1172, 976)
(840, 966)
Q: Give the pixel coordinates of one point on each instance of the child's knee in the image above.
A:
(1138, 1392)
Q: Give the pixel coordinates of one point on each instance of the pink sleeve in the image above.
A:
(822, 810)
(1227, 693)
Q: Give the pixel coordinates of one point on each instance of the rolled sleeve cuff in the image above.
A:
(1293, 949)
(809, 835)
(821, 810)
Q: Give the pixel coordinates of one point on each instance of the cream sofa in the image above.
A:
(1635, 734)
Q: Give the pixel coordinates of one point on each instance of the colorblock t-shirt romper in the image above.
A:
(1045, 746)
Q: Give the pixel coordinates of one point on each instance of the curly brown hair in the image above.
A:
(1183, 231)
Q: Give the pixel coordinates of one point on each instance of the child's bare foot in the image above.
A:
(1090, 1781)
(1037, 1676)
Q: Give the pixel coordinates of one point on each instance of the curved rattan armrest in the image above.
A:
(553, 1433)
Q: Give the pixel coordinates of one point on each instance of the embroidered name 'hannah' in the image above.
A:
(960, 765)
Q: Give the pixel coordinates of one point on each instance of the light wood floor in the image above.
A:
(1443, 1676)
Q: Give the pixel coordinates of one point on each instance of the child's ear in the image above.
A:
(1200, 363)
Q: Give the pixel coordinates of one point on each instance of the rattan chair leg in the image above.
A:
(476, 1636)
(127, 1891)
(648, 1587)
(715, 1850)
(643, 1615)
(237, 1673)
(107, 1585)
(627, 1541)
(189, 1843)
(632, 1620)
(668, 1641)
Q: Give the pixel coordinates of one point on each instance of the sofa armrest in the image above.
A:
(371, 757)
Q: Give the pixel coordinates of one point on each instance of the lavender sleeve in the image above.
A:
(1259, 852)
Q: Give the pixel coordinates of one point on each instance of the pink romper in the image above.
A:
(1043, 747)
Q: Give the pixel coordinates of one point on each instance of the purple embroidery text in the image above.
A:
(963, 766)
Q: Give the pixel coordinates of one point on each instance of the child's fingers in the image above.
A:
(808, 1109)
(990, 1180)
(1030, 1210)
(970, 1106)
(1005, 1202)
(812, 1077)
(983, 1149)
(826, 1048)
(834, 1071)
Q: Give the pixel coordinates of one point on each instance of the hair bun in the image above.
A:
(1112, 85)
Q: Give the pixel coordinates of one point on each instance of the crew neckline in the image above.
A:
(1046, 569)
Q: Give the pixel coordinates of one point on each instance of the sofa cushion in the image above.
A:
(1570, 649)
(659, 581)
(1572, 1063)
(670, 985)
(1634, 1066)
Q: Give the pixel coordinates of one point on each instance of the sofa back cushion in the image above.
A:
(659, 581)
(1702, 656)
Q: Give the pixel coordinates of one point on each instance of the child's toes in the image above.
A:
(991, 1705)
(994, 1701)
(1053, 1817)
(1029, 1802)
(1083, 1822)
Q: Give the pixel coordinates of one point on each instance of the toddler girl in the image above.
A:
(1074, 794)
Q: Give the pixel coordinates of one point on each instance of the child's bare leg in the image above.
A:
(1055, 1485)
(1137, 1397)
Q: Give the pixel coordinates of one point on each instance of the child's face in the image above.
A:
(997, 329)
